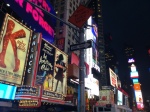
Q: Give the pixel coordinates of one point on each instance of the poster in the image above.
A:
(46, 66)
(105, 97)
(60, 74)
(14, 44)
(52, 70)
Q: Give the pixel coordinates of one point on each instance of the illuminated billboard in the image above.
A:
(35, 17)
(131, 60)
(120, 98)
(135, 81)
(138, 96)
(133, 68)
(14, 44)
(134, 74)
(136, 86)
(7, 91)
(52, 69)
(113, 78)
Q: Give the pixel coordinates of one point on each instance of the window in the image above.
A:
(68, 42)
(61, 16)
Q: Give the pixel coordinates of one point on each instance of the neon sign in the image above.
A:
(35, 17)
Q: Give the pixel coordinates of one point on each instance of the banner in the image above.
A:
(14, 44)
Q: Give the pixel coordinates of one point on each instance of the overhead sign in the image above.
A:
(83, 45)
(80, 16)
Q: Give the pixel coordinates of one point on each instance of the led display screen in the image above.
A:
(133, 68)
(7, 91)
(134, 74)
(135, 81)
(120, 98)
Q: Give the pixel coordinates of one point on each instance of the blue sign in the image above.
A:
(7, 91)
(35, 17)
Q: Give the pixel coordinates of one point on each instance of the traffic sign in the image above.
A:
(80, 16)
(83, 45)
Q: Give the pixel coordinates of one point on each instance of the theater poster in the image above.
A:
(14, 44)
(46, 66)
(60, 72)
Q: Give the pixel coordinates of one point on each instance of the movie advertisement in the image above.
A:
(14, 44)
(60, 74)
(46, 66)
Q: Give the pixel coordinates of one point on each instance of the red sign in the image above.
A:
(80, 16)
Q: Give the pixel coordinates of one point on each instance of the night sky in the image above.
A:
(128, 21)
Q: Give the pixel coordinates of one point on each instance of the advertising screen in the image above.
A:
(35, 17)
(134, 74)
(95, 87)
(120, 98)
(14, 44)
(133, 68)
(7, 91)
(52, 68)
(135, 81)
(113, 78)
(138, 96)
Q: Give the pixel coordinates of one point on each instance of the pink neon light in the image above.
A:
(37, 14)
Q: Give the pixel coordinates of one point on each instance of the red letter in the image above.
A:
(28, 8)
(20, 2)
(35, 15)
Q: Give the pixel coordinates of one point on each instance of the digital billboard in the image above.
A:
(113, 78)
(135, 81)
(138, 96)
(7, 91)
(133, 68)
(134, 74)
(120, 98)
(35, 17)
(14, 44)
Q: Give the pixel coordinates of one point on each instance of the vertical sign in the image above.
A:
(14, 44)
(113, 78)
(33, 57)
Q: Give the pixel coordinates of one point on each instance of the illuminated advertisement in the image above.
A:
(120, 98)
(133, 68)
(135, 81)
(113, 78)
(106, 97)
(60, 72)
(92, 53)
(134, 74)
(131, 60)
(14, 44)
(52, 69)
(95, 87)
(138, 96)
(7, 91)
(35, 17)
